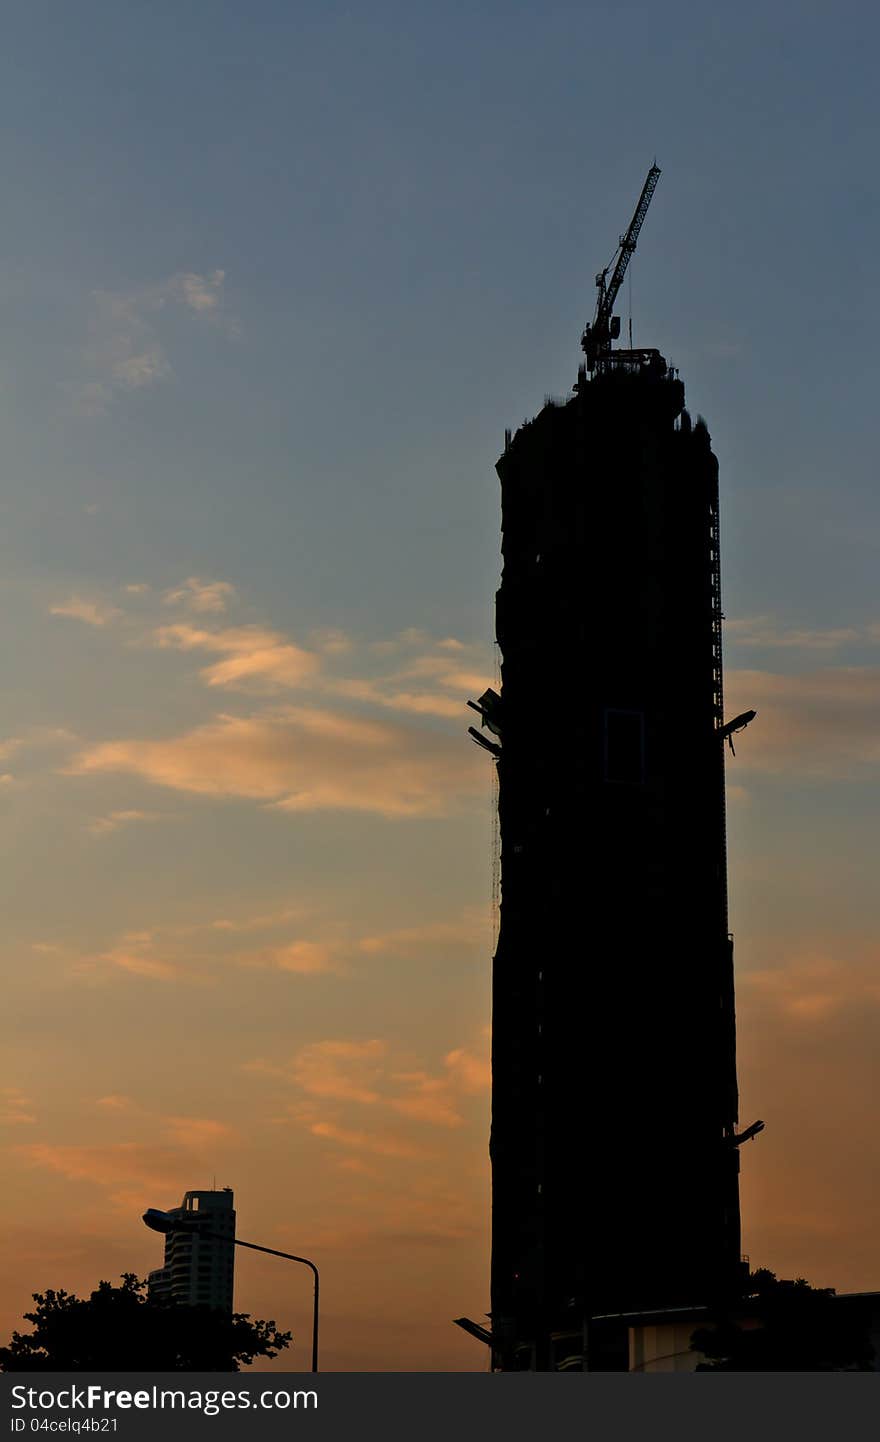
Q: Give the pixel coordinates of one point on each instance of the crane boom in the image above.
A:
(597, 337)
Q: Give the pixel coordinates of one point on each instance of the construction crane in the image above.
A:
(605, 327)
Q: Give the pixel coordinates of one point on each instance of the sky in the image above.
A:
(273, 281)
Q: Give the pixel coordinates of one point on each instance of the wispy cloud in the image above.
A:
(421, 675)
(378, 693)
(105, 825)
(411, 673)
(262, 921)
(199, 952)
(306, 943)
(36, 739)
(373, 1075)
(821, 723)
(336, 947)
(126, 350)
(382, 1144)
(427, 1099)
(340, 1070)
(16, 1109)
(93, 613)
(766, 632)
(199, 292)
(331, 640)
(306, 958)
(404, 640)
(431, 680)
(303, 759)
(141, 963)
(135, 952)
(817, 985)
(198, 1133)
(459, 931)
(298, 757)
(202, 596)
(302, 956)
(126, 1170)
(256, 658)
(437, 1099)
(468, 1071)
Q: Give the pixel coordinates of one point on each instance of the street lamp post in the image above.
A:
(162, 1222)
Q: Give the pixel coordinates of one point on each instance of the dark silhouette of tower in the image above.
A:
(614, 1148)
(614, 1153)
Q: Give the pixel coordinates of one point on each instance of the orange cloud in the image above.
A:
(94, 613)
(119, 1164)
(140, 963)
(813, 987)
(463, 931)
(446, 666)
(131, 1171)
(39, 737)
(15, 1108)
(303, 759)
(305, 957)
(256, 657)
(198, 1133)
(421, 1208)
(470, 1074)
(820, 723)
(421, 703)
(341, 1070)
(427, 1099)
(419, 682)
(368, 1074)
(259, 923)
(437, 1100)
(105, 825)
(807, 1042)
(767, 632)
(408, 638)
(125, 351)
(211, 596)
(383, 1145)
(331, 640)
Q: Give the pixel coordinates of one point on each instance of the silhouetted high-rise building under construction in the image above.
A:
(614, 1148)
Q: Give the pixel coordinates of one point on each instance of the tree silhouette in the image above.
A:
(793, 1328)
(120, 1329)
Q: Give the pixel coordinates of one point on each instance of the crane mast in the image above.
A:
(605, 327)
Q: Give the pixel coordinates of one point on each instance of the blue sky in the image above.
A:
(273, 281)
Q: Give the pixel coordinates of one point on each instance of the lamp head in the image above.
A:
(159, 1221)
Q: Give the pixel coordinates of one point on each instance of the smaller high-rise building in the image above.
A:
(199, 1262)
